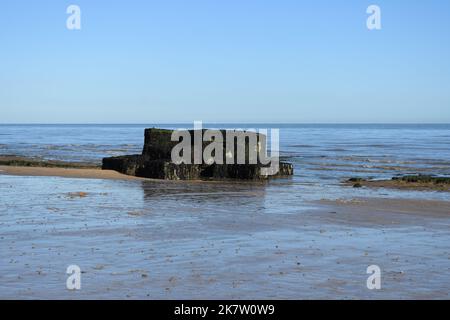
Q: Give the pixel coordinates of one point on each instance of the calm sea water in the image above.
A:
(323, 155)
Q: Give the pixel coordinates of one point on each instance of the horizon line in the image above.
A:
(215, 122)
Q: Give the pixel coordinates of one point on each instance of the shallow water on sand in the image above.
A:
(142, 239)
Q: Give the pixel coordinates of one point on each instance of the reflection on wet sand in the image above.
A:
(214, 194)
(165, 240)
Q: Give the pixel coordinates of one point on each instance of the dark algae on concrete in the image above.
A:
(156, 162)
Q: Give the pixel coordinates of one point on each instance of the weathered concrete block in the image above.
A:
(158, 144)
(155, 161)
(123, 164)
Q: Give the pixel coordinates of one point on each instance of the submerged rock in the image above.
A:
(155, 160)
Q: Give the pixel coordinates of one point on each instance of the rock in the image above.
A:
(155, 160)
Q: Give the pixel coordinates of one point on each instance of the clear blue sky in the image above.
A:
(224, 61)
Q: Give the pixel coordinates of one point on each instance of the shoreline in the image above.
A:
(98, 173)
(27, 166)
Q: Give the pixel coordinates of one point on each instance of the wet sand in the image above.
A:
(383, 210)
(140, 239)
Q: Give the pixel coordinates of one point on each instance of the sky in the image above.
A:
(225, 61)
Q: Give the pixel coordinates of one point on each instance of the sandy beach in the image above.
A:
(142, 239)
